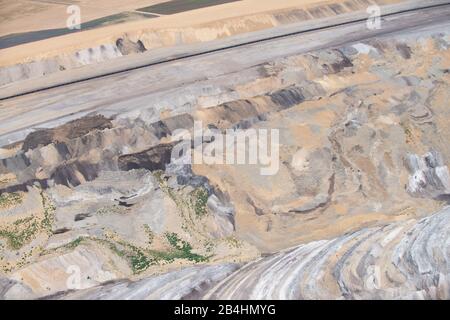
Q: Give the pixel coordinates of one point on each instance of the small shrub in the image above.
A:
(200, 199)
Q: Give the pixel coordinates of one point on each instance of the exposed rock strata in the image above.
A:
(429, 176)
(405, 260)
(138, 41)
(351, 197)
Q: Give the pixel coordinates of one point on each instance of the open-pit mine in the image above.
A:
(116, 176)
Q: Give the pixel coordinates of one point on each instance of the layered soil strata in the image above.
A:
(362, 185)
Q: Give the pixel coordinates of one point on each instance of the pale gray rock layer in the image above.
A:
(181, 284)
(429, 175)
(404, 260)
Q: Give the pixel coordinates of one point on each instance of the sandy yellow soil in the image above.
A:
(25, 15)
(203, 17)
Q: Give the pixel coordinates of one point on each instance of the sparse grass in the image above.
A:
(209, 245)
(22, 221)
(149, 233)
(75, 243)
(10, 199)
(108, 210)
(182, 249)
(164, 187)
(139, 262)
(19, 233)
(233, 242)
(200, 199)
(142, 258)
(139, 258)
(49, 210)
(22, 231)
(158, 174)
(177, 243)
(192, 206)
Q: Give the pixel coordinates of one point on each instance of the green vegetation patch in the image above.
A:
(49, 210)
(10, 199)
(139, 258)
(200, 199)
(195, 202)
(75, 243)
(149, 233)
(140, 262)
(233, 242)
(22, 231)
(142, 258)
(182, 249)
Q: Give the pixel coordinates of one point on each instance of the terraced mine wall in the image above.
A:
(69, 143)
(139, 41)
(360, 197)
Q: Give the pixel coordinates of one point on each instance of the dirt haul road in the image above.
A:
(153, 86)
